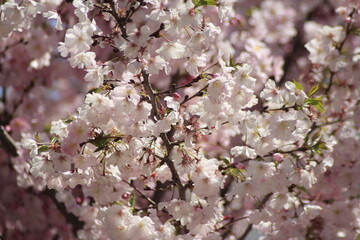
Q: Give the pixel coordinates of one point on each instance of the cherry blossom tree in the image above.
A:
(179, 119)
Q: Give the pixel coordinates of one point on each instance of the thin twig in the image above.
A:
(199, 93)
(138, 191)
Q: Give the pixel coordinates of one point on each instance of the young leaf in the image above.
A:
(313, 90)
(69, 120)
(317, 103)
(37, 137)
(208, 2)
(132, 201)
(315, 136)
(43, 148)
(301, 188)
(117, 202)
(298, 86)
(199, 3)
(225, 160)
(195, 2)
(54, 139)
(319, 106)
(236, 173)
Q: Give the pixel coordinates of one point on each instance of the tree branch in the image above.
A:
(76, 224)
(8, 143)
(250, 226)
(164, 137)
(339, 48)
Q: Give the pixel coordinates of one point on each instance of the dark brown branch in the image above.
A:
(156, 34)
(9, 146)
(297, 43)
(164, 137)
(300, 149)
(247, 231)
(174, 88)
(199, 93)
(8, 143)
(140, 193)
(21, 100)
(76, 224)
(260, 206)
(339, 48)
(120, 21)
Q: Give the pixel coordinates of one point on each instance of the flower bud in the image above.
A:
(125, 196)
(278, 157)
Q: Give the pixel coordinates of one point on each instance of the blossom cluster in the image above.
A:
(171, 119)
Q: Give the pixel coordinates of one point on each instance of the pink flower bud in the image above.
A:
(278, 157)
(234, 21)
(125, 196)
(176, 96)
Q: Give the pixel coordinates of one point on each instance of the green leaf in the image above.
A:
(100, 143)
(98, 149)
(69, 120)
(199, 3)
(231, 61)
(132, 201)
(322, 145)
(301, 188)
(47, 127)
(319, 99)
(236, 173)
(225, 160)
(43, 149)
(117, 202)
(320, 107)
(313, 90)
(319, 147)
(209, 2)
(315, 136)
(356, 197)
(312, 154)
(249, 12)
(233, 64)
(318, 151)
(195, 2)
(356, 31)
(298, 86)
(54, 139)
(317, 103)
(37, 137)
(311, 101)
(96, 90)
